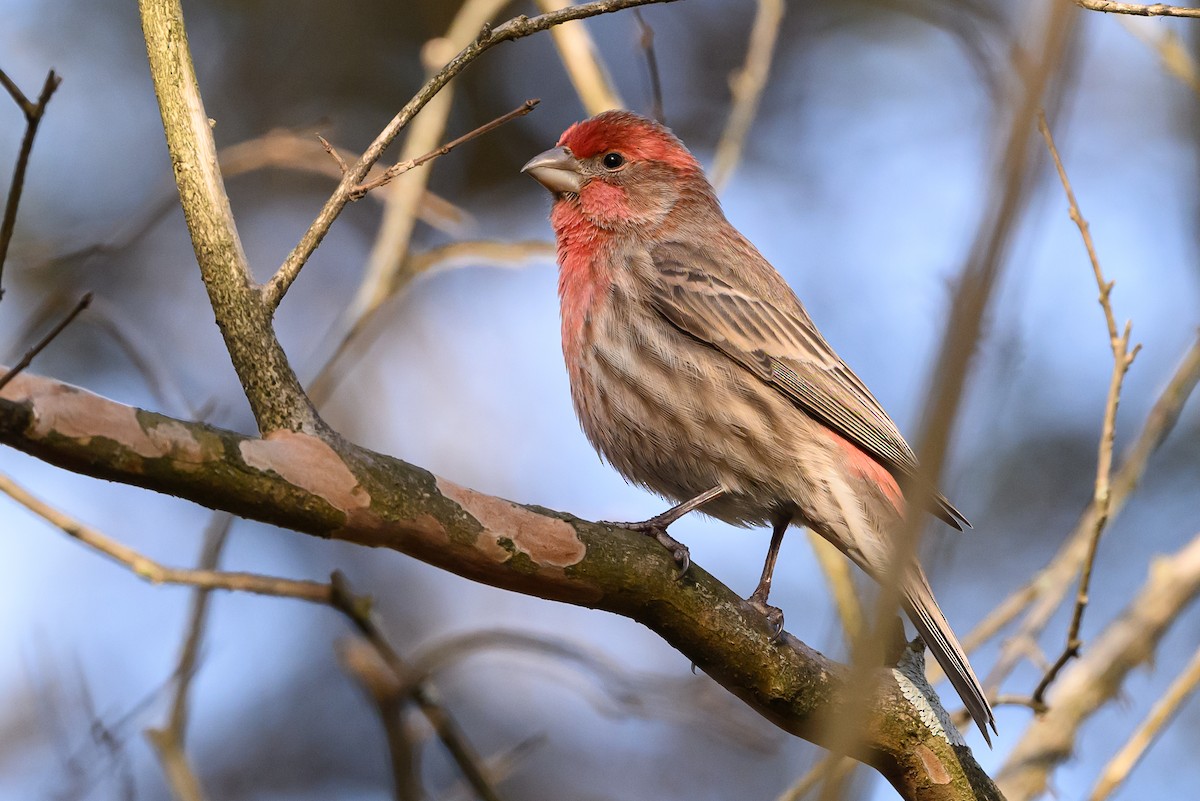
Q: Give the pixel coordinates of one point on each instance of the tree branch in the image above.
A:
(515, 28)
(1139, 9)
(271, 387)
(344, 492)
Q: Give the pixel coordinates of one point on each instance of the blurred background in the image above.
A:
(864, 177)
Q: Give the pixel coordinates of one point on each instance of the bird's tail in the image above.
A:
(940, 640)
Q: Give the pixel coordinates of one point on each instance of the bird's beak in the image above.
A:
(557, 170)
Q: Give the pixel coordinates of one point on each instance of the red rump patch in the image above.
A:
(631, 135)
(863, 466)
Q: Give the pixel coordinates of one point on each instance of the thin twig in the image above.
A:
(404, 166)
(32, 353)
(332, 152)
(1123, 357)
(358, 610)
(489, 37)
(747, 85)
(156, 573)
(33, 116)
(1046, 590)
(1164, 710)
(646, 42)
(1138, 9)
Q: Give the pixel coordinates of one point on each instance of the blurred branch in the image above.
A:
(646, 42)
(1123, 357)
(168, 741)
(1165, 709)
(747, 85)
(422, 693)
(1171, 50)
(1096, 677)
(836, 569)
(32, 353)
(366, 666)
(834, 768)
(677, 699)
(388, 260)
(1039, 77)
(332, 488)
(582, 61)
(486, 251)
(404, 166)
(1043, 594)
(1138, 9)
(33, 112)
(488, 37)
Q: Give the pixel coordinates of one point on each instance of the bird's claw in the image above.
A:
(773, 616)
(654, 528)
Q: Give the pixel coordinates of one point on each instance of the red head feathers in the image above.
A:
(632, 135)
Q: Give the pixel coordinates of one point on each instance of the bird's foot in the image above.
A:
(773, 615)
(656, 527)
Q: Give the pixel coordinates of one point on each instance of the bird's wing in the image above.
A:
(777, 341)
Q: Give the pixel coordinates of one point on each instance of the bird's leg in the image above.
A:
(657, 527)
(758, 598)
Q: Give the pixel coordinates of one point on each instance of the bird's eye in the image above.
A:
(613, 160)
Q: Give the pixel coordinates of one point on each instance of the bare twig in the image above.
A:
(32, 353)
(1123, 357)
(333, 153)
(747, 86)
(646, 42)
(515, 28)
(404, 166)
(1138, 9)
(155, 573)
(1164, 710)
(1046, 590)
(168, 741)
(358, 610)
(33, 112)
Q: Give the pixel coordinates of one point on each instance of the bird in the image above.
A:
(697, 373)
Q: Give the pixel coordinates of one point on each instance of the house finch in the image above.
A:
(696, 372)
